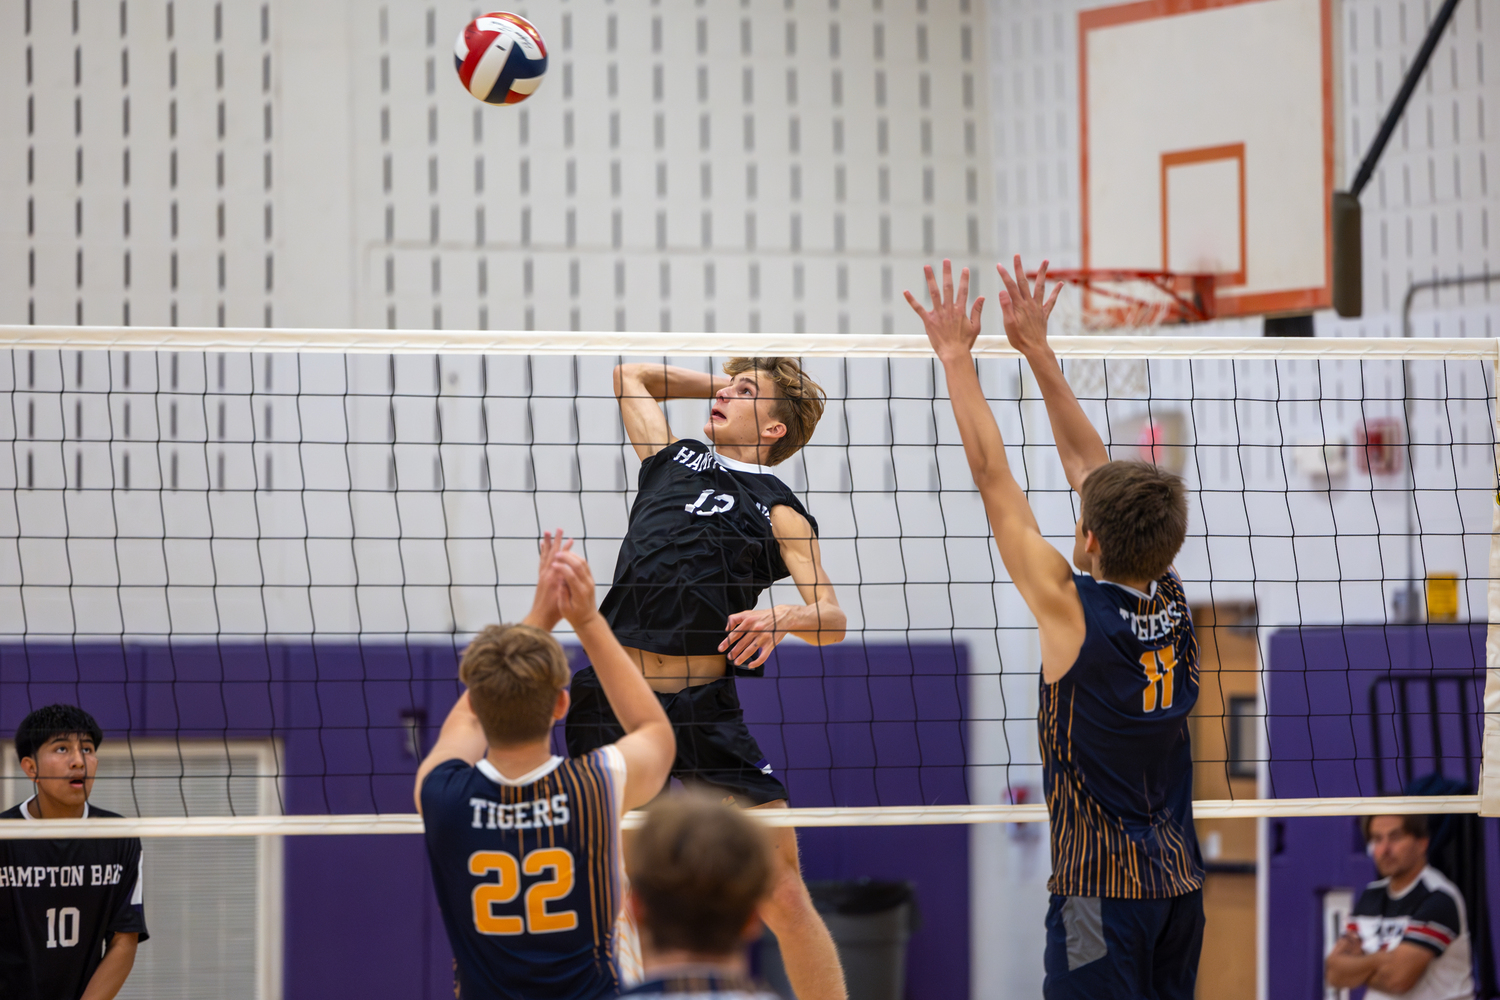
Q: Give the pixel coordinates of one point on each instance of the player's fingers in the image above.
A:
(740, 647)
(1051, 301)
(947, 281)
(763, 655)
(974, 316)
(1010, 284)
(933, 295)
(911, 300)
(1021, 281)
(963, 288)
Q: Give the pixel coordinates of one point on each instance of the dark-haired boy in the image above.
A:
(1119, 671)
(70, 910)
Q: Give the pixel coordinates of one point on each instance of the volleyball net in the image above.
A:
(255, 557)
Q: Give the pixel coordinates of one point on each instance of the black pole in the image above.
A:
(1398, 106)
(1347, 238)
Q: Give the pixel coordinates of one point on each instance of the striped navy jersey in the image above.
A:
(1116, 760)
(1428, 913)
(529, 875)
(61, 902)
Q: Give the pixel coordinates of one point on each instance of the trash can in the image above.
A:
(871, 923)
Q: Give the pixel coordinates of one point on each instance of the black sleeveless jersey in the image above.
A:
(699, 549)
(60, 903)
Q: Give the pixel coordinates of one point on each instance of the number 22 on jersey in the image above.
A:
(1160, 665)
(538, 919)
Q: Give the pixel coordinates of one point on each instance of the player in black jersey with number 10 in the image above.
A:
(70, 910)
(711, 528)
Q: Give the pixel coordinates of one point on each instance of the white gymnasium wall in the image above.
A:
(797, 164)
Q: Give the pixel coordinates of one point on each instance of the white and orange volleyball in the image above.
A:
(500, 57)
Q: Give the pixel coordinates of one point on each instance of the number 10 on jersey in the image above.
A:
(1160, 665)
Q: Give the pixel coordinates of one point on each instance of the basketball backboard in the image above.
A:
(1207, 145)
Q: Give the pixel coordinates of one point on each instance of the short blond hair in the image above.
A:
(799, 404)
(513, 673)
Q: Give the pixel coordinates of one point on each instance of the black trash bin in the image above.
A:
(871, 922)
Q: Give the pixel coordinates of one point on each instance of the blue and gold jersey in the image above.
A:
(529, 875)
(1116, 760)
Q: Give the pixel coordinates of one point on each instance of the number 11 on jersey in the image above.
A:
(1159, 665)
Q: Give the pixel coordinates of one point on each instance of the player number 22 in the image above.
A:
(1159, 664)
(62, 927)
(538, 919)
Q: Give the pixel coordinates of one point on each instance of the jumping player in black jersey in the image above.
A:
(1119, 671)
(698, 871)
(70, 910)
(711, 528)
(525, 846)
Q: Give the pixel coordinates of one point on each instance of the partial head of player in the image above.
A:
(1132, 525)
(56, 747)
(699, 872)
(770, 405)
(517, 677)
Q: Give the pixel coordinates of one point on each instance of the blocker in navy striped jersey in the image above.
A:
(500, 58)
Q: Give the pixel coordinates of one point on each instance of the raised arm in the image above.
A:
(1039, 571)
(1025, 310)
(649, 744)
(462, 737)
(641, 389)
(818, 619)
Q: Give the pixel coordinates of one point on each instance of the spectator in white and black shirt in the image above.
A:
(1408, 936)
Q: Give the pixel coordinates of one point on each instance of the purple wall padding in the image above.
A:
(1322, 739)
(846, 725)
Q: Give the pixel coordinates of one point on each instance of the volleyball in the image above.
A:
(500, 58)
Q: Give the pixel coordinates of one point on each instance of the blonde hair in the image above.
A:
(513, 673)
(799, 404)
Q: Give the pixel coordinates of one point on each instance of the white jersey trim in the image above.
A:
(735, 465)
(493, 773)
(26, 810)
(1150, 596)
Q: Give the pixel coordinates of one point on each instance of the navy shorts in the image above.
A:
(714, 746)
(1123, 949)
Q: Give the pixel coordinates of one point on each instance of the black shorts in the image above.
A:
(714, 746)
(1123, 949)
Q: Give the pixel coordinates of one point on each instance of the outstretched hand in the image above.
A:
(951, 326)
(1024, 308)
(545, 612)
(574, 583)
(753, 636)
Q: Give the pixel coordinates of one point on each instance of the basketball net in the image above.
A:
(1099, 302)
